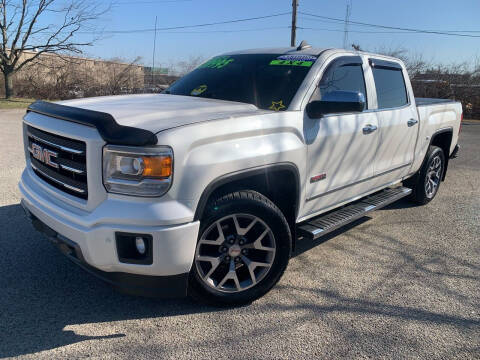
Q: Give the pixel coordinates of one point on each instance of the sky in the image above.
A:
(174, 45)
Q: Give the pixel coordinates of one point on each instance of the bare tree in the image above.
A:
(26, 33)
(414, 62)
(182, 67)
(459, 81)
(121, 76)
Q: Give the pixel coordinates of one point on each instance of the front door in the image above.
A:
(341, 147)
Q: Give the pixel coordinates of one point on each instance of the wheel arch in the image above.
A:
(270, 180)
(443, 139)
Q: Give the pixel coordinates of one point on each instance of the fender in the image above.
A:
(264, 170)
(441, 131)
(434, 135)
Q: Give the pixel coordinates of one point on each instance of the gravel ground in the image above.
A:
(401, 283)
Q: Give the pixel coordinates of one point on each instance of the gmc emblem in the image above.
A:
(44, 155)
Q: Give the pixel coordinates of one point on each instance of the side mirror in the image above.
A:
(336, 102)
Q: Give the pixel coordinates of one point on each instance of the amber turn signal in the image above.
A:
(157, 166)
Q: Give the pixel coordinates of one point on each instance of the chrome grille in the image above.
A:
(65, 168)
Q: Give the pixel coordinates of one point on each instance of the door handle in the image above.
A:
(411, 122)
(369, 129)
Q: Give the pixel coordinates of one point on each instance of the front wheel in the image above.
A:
(426, 183)
(243, 249)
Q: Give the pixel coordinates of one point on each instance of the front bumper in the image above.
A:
(133, 284)
(88, 239)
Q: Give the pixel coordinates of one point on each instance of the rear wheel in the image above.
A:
(425, 184)
(243, 249)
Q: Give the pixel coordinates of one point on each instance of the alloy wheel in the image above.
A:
(433, 176)
(235, 253)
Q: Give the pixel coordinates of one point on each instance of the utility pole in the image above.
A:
(347, 19)
(154, 44)
(294, 22)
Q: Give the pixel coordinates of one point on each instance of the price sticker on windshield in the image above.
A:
(294, 60)
(217, 62)
(198, 90)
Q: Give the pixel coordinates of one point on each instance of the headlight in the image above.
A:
(137, 171)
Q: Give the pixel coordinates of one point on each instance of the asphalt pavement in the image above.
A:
(403, 282)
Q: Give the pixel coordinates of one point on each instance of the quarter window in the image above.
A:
(390, 86)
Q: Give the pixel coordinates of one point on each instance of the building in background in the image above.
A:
(54, 76)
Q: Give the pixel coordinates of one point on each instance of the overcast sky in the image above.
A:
(173, 45)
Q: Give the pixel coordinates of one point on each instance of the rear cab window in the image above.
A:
(389, 83)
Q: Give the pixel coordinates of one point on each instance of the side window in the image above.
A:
(390, 85)
(341, 75)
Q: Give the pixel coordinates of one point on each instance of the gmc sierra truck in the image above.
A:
(205, 189)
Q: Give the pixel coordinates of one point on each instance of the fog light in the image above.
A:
(134, 248)
(140, 245)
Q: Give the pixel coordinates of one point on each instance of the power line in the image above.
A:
(233, 30)
(371, 32)
(115, 3)
(279, 28)
(187, 26)
(354, 31)
(394, 27)
(323, 21)
(227, 31)
(439, 32)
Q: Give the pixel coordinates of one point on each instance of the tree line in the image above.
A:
(36, 35)
(429, 79)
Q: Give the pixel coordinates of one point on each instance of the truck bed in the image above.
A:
(431, 101)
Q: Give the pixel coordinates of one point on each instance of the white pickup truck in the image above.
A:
(205, 189)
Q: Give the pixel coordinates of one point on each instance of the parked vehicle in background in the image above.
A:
(206, 188)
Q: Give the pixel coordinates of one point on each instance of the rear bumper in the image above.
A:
(133, 284)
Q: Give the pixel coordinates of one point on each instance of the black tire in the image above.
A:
(420, 195)
(258, 206)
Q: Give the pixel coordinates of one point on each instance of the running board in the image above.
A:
(325, 223)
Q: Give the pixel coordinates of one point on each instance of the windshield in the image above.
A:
(266, 81)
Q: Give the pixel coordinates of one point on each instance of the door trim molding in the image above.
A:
(358, 182)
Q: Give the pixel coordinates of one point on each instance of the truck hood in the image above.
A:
(157, 112)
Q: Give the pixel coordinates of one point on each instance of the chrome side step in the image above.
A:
(325, 223)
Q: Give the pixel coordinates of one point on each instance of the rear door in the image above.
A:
(397, 120)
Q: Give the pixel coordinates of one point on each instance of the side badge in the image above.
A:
(316, 178)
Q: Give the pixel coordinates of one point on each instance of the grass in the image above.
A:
(15, 103)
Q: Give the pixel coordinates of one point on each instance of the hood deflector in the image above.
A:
(109, 129)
